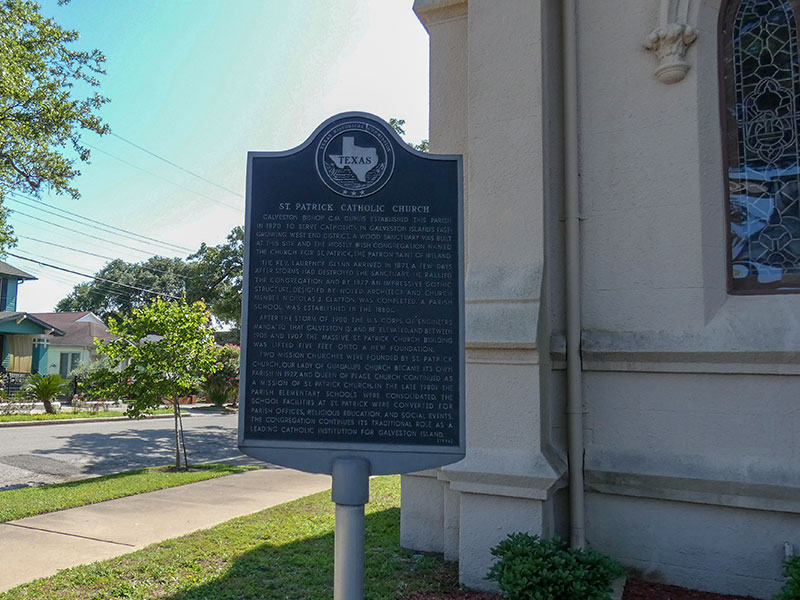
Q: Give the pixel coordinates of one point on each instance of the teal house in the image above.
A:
(24, 338)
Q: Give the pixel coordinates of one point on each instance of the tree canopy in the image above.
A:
(163, 350)
(121, 286)
(216, 276)
(397, 125)
(213, 274)
(42, 115)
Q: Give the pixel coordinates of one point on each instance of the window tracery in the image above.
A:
(761, 87)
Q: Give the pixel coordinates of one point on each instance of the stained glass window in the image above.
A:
(761, 87)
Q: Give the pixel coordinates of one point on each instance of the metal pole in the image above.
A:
(350, 492)
(348, 558)
(575, 443)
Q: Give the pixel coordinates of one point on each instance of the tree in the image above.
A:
(397, 125)
(223, 384)
(217, 277)
(41, 119)
(121, 286)
(162, 350)
(212, 274)
(44, 388)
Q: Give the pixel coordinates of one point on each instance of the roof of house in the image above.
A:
(80, 328)
(37, 319)
(7, 269)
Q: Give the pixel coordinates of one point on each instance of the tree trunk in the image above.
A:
(183, 442)
(48, 406)
(175, 410)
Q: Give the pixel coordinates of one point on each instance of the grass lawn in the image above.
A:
(280, 553)
(26, 502)
(97, 414)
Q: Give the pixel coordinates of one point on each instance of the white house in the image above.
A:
(76, 346)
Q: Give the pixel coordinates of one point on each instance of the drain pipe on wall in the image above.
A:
(573, 279)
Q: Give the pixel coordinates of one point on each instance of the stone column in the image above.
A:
(488, 101)
(429, 518)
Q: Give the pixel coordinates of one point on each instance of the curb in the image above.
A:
(87, 420)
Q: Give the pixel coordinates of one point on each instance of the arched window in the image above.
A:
(761, 99)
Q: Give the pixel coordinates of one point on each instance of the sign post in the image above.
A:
(352, 357)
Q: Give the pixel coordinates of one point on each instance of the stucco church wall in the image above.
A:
(692, 544)
(691, 394)
(639, 181)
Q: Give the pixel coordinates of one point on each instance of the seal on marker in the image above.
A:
(355, 158)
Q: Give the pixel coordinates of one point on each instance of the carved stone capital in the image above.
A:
(670, 43)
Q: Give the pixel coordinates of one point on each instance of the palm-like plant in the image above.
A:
(43, 388)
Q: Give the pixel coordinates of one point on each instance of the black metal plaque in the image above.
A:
(353, 305)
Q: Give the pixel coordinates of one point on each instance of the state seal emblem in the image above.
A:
(355, 158)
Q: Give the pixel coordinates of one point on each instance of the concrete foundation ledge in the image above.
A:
(725, 482)
(502, 473)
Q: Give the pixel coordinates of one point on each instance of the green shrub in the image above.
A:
(791, 589)
(222, 385)
(531, 568)
(44, 389)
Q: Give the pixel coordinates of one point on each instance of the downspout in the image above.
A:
(573, 278)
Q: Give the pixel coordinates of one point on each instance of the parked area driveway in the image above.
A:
(66, 451)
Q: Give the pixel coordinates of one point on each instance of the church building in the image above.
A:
(632, 244)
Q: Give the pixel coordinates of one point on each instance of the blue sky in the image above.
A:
(200, 83)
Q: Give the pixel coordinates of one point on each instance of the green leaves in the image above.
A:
(40, 116)
(122, 285)
(162, 349)
(213, 274)
(791, 589)
(44, 387)
(532, 568)
(216, 276)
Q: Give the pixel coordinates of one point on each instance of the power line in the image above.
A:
(134, 237)
(169, 162)
(86, 252)
(133, 287)
(114, 227)
(83, 233)
(49, 243)
(62, 233)
(39, 256)
(122, 160)
(101, 287)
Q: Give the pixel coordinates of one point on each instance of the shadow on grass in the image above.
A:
(304, 568)
(283, 552)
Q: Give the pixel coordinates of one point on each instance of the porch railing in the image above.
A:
(12, 381)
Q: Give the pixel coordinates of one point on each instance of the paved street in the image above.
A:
(68, 451)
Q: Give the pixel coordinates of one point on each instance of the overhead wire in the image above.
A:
(122, 232)
(177, 166)
(64, 263)
(125, 285)
(188, 189)
(62, 233)
(49, 243)
(86, 252)
(19, 212)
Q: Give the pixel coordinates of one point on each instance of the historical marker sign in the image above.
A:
(353, 315)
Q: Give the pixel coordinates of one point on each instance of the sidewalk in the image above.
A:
(40, 546)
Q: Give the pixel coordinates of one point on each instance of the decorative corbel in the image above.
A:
(670, 41)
